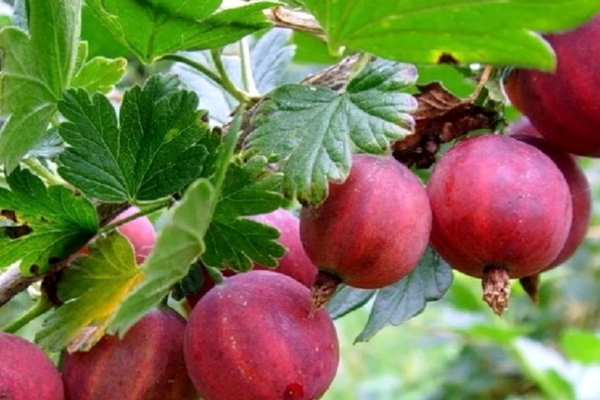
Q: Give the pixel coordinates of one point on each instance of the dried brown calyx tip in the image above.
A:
(496, 288)
(531, 285)
(322, 289)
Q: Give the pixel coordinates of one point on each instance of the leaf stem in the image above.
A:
(147, 210)
(36, 166)
(220, 78)
(226, 83)
(246, 63)
(41, 306)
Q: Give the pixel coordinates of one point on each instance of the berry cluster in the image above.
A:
(496, 207)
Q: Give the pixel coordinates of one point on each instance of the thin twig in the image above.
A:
(483, 80)
(246, 64)
(226, 83)
(219, 78)
(297, 20)
(13, 283)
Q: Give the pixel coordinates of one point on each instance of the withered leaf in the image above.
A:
(440, 117)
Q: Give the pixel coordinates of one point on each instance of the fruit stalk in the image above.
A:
(496, 288)
(324, 287)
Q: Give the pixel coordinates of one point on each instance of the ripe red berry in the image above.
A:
(26, 372)
(579, 188)
(140, 232)
(580, 198)
(371, 231)
(564, 105)
(295, 263)
(501, 210)
(253, 337)
(146, 364)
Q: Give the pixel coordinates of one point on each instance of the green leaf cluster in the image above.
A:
(181, 240)
(157, 145)
(36, 66)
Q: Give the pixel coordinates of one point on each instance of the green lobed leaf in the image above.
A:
(231, 242)
(408, 297)
(151, 29)
(53, 221)
(434, 31)
(237, 243)
(181, 241)
(312, 130)
(91, 290)
(154, 149)
(36, 67)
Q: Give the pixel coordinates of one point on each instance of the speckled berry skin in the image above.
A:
(26, 372)
(373, 229)
(252, 337)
